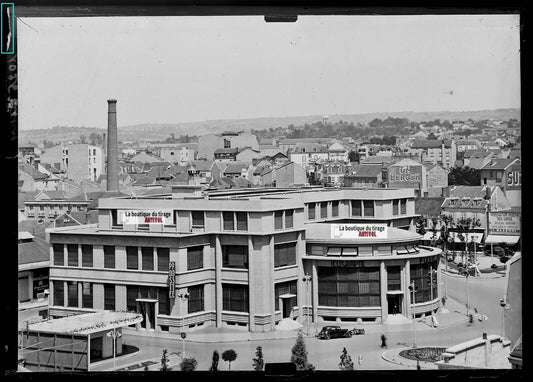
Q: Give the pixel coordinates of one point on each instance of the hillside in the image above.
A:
(154, 131)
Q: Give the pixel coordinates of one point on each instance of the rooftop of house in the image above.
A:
(201, 165)
(227, 151)
(367, 170)
(499, 163)
(236, 167)
(35, 250)
(32, 171)
(430, 143)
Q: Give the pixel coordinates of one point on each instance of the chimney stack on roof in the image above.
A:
(112, 149)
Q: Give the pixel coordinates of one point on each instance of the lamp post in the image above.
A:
(504, 306)
(431, 280)
(114, 334)
(467, 294)
(307, 280)
(412, 289)
(183, 297)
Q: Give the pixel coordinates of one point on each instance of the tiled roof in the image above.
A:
(202, 165)
(35, 251)
(24, 197)
(236, 167)
(227, 151)
(367, 170)
(430, 143)
(32, 171)
(310, 148)
(377, 159)
(468, 191)
(498, 164)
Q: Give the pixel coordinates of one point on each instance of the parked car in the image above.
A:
(333, 331)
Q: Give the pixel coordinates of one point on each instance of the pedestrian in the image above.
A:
(360, 359)
(383, 341)
(418, 365)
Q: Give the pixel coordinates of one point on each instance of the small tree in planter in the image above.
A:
(188, 364)
(299, 354)
(214, 363)
(259, 363)
(346, 361)
(164, 361)
(229, 356)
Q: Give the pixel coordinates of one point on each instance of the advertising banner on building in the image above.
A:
(405, 176)
(358, 231)
(504, 222)
(172, 279)
(145, 217)
(514, 177)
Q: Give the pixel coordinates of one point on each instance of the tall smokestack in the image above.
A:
(112, 150)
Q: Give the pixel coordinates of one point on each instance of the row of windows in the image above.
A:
(323, 209)
(283, 219)
(362, 250)
(399, 205)
(420, 277)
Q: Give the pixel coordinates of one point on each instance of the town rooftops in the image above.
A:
(367, 170)
(499, 163)
(431, 143)
(227, 151)
(236, 167)
(36, 250)
(32, 171)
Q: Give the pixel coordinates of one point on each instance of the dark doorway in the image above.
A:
(394, 303)
(288, 303)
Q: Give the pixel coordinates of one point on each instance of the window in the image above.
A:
(196, 299)
(356, 208)
(132, 257)
(195, 258)
(72, 294)
(395, 207)
(59, 293)
(403, 205)
(278, 220)
(421, 279)
(349, 287)
(132, 293)
(109, 297)
(163, 259)
(59, 256)
(323, 210)
(335, 208)
(72, 251)
(235, 256)
(227, 217)
(235, 297)
(393, 278)
(147, 258)
(198, 219)
(109, 256)
(369, 207)
(164, 301)
(87, 295)
(24, 289)
(384, 250)
(86, 255)
(498, 176)
(242, 221)
(114, 219)
(284, 254)
(311, 211)
(280, 289)
(289, 214)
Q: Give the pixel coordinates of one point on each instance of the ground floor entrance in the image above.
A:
(394, 302)
(147, 308)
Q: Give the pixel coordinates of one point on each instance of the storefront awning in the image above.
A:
(507, 239)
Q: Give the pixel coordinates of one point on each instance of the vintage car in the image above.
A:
(333, 331)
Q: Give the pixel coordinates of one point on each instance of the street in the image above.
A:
(484, 294)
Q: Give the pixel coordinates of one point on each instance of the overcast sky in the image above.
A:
(184, 69)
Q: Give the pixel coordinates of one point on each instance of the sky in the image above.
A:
(187, 69)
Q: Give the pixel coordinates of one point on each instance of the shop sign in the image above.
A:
(172, 279)
(405, 176)
(145, 217)
(504, 222)
(358, 231)
(514, 178)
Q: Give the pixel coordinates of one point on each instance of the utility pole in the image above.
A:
(307, 279)
(412, 288)
(183, 297)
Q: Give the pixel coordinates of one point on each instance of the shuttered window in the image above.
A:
(147, 258)
(289, 214)
(72, 251)
(196, 298)
(195, 258)
(311, 211)
(59, 256)
(163, 259)
(229, 224)
(284, 254)
(242, 221)
(356, 208)
(335, 208)
(87, 295)
(278, 219)
(132, 257)
(109, 256)
(109, 297)
(86, 255)
(73, 294)
(323, 210)
(369, 207)
(164, 301)
(235, 297)
(59, 293)
(197, 219)
(132, 294)
(235, 256)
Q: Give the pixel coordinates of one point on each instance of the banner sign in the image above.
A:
(504, 222)
(405, 176)
(358, 231)
(172, 279)
(514, 177)
(145, 217)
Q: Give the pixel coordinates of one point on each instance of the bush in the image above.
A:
(299, 355)
(214, 363)
(258, 362)
(188, 364)
(229, 356)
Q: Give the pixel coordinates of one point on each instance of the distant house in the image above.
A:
(303, 153)
(443, 152)
(436, 180)
(34, 180)
(236, 170)
(181, 154)
(408, 173)
(507, 174)
(285, 175)
(337, 152)
(200, 171)
(368, 175)
(247, 154)
(209, 143)
(477, 159)
(268, 150)
(146, 157)
(332, 173)
(229, 154)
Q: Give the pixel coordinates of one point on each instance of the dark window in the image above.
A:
(278, 220)
(311, 211)
(420, 276)
(163, 259)
(395, 204)
(132, 257)
(284, 254)
(393, 278)
(109, 256)
(242, 221)
(280, 289)
(356, 208)
(369, 207)
(109, 297)
(403, 205)
(196, 298)
(87, 295)
(164, 301)
(72, 251)
(132, 294)
(114, 218)
(147, 258)
(235, 297)
(195, 258)
(228, 221)
(197, 218)
(349, 287)
(72, 294)
(235, 256)
(335, 208)
(148, 292)
(86, 255)
(59, 293)
(289, 217)
(324, 210)
(59, 256)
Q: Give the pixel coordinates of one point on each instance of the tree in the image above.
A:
(420, 226)
(259, 363)
(299, 354)
(96, 139)
(229, 356)
(164, 361)
(346, 361)
(353, 156)
(188, 364)
(83, 138)
(431, 136)
(214, 363)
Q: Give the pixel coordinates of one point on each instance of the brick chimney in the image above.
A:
(112, 150)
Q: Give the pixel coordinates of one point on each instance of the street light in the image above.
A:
(183, 297)
(467, 294)
(431, 280)
(114, 334)
(412, 289)
(504, 306)
(307, 280)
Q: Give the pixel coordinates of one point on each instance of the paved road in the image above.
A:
(324, 355)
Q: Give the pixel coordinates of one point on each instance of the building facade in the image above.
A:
(240, 257)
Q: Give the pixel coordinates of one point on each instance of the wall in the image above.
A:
(491, 353)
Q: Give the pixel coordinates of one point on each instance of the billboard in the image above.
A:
(407, 176)
(145, 217)
(513, 179)
(358, 231)
(504, 222)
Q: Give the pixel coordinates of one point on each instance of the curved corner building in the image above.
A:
(245, 258)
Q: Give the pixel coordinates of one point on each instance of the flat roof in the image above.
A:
(87, 323)
(321, 233)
